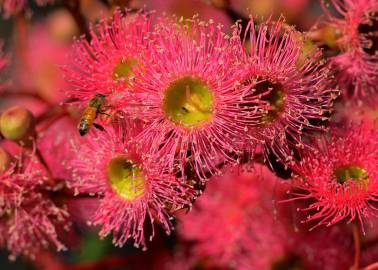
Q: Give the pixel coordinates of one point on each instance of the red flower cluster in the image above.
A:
(341, 175)
(195, 100)
(29, 217)
(355, 34)
(132, 189)
(253, 230)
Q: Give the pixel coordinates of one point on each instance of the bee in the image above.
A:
(95, 107)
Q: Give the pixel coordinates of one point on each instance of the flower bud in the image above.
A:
(61, 25)
(16, 123)
(5, 160)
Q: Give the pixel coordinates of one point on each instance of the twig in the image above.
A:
(231, 13)
(49, 117)
(73, 6)
(21, 38)
(44, 163)
(27, 94)
(119, 3)
(105, 263)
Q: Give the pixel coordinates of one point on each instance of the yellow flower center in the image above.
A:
(126, 178)
(124, 69)
(275, 98)
(291, 262)
(369, 29)
(351, 172)
(188, 101)
(307, 48)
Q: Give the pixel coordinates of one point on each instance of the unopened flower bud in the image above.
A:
(16, 123)
(61, 25)
(5, 160)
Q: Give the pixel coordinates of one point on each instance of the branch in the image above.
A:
(73, 6)
(234, 15)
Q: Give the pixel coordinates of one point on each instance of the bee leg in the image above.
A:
(99, 127)
(107, 114)
(103, 110)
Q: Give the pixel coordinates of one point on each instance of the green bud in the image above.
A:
(17, 123)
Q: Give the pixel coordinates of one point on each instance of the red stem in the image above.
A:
(45, 120)
(357, 246)
(106, 263)
(44, 163)
(21, 38)
(31, 94)
(73, 6)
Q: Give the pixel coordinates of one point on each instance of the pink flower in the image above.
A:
(236, 224)
(326, 249)
(323, 249)
(131, 190)
(340, 176)
(34, 226)
(187, 95)
(55, 145)
(106, 65)
(356, 35)
(293, 88)
(355, 113)
(185, 259)
(233, 222)
(29, 219)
